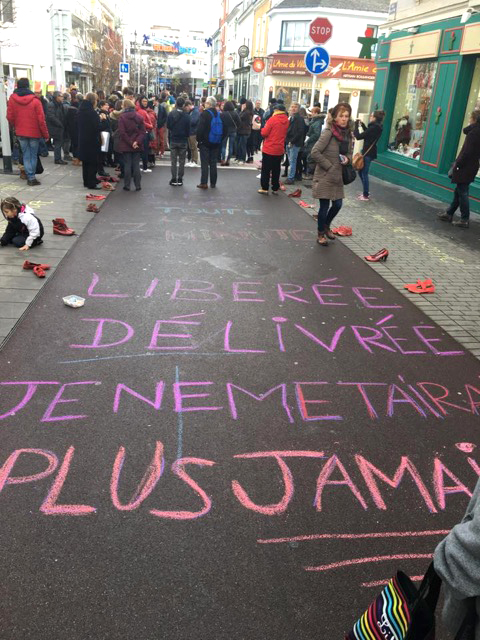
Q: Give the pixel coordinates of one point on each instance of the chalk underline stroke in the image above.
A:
(368, 560)
(355, 536)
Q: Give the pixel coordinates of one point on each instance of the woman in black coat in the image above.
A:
(464, 172)
(370, 136)
(89, 141)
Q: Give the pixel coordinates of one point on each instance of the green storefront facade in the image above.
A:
(428, 82)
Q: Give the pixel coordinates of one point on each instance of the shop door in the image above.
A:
(439, 113)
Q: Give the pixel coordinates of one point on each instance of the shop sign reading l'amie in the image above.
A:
(294, 64)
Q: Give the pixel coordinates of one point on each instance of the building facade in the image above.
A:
(428, 82)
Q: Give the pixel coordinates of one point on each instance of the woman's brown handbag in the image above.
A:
(358, 161)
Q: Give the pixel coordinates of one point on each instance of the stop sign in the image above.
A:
(320, 30)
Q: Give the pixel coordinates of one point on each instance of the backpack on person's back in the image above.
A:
(215, 134)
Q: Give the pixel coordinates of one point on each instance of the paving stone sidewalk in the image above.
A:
(420, 246)
(60, 195)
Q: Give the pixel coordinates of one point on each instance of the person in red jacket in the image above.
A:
(141, 108)
(273, 133)
(25, 114)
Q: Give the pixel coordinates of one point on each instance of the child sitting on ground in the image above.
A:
(24, 230)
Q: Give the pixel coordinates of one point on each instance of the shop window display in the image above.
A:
(411, 108)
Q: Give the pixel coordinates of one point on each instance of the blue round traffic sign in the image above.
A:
(317, 60)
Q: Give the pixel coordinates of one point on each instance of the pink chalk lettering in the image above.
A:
(439, 471)
(329, 347)
(369, 471)
(178, 468)
(366, 340)
(428, 342)
(470, 390)
(279, 321)
(322, 297)
(93, 284)
(156, 403)
(5, 470)
(355, 561)
(205, 294)
(96, 344)
(151, 288)
(183, 336)
(424, 402)
(237, 292)
(473, 463)
(226, 342)
(403, 399)
(50, 507)
(302, 403)
(355, 536)
(363, 392)
(396, 342)
(47, 417)
(466, 447)
(179, 397)
(439, 400)
(365, 299)
(29, 393)
(281, 506)
(259, 398)
(324, 479)
(288, 295)
(146, 485)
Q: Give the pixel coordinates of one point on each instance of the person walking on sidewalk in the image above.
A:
(178, 124)
(273, 133)
(209, 137)
(131, 136)
(370, 136)
(89, 140)
(244, 130)
(333, 149)
(464, 172)
(295, 139)
(56, 125)
(194, 113)
(231, 124)
(161, 124)
(25, 114)
(141, 107)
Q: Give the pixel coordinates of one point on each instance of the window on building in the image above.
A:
(411, 110)
(6, 11)
(472, 104)
(295, 36)
(364, 101)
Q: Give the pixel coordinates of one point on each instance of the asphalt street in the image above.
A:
(240, 435)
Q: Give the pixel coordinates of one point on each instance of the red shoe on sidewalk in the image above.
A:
(295, 194)
(380, 256)
(32, 265)
(92, 208)
(342, 231)
(94, 196)
(421, 286)
(60, 228)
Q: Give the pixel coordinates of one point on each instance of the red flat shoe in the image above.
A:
(93, 196)
(295, 194)
(380, 256)
(92, 208)
(39, 272)
(421, 286)
(106, 186)
(305, 205)
(32, 265)
(342, 231)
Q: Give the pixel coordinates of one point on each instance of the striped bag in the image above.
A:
(401, 611)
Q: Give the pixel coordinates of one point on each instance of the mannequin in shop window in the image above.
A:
(404, 131)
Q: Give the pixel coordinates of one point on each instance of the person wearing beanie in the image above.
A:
(25, 114)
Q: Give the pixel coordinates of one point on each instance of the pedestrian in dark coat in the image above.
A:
(209, 151)
(231, 124)
(370, 136)
(131, 138)
(333, 149)
(314, 131)
(72, 128)
(464, 172)
(89, 139)
(244, 130)
(56, 125)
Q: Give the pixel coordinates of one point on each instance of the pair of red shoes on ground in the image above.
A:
(60, 228)
(37, 268)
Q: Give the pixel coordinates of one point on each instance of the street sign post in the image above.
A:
(320, 30)
(124, 68)
(317, 60)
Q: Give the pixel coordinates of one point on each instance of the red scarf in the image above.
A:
(340, 133)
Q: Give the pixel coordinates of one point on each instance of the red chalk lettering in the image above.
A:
(179, 397)
(369, 471)
(96, 344)
(226, 342)
(237, 292)
(428, 341)
(363, 392)
(47, 417)
(156, 403)
(366, 340)
(5, 470)
(302, 403)
(178, 468)
(329, 347)
(205, 294)
(146, 485)
(365, 299)
(93, 284)
(260, 398)
(470, 390)
(284, 295)
(29, 393)
(50, 506)
(324, 479)
(439, 400)
(440, 470)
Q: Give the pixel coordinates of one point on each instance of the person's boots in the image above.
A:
(60, 228)
(23, 175)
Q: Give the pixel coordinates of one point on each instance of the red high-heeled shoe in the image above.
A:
(380, 256)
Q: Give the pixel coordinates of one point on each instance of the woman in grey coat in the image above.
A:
(457, 562)
(333, 149)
